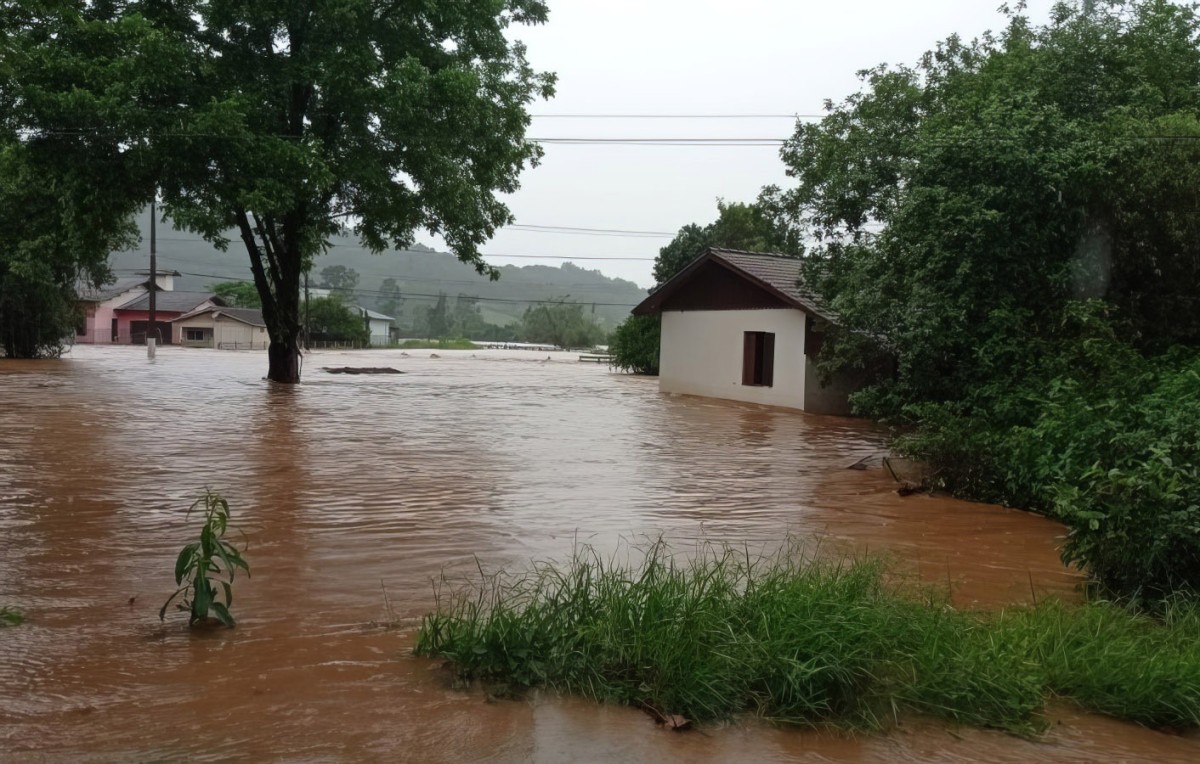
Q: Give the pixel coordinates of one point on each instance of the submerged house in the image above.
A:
(99, 324)
(215, 326)
(379, 326)
(132, 319)
(737, 325)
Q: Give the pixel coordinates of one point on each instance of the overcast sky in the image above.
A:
(694, 57)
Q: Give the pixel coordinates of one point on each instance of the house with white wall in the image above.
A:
(216, 326)
(379, 326)
(739, 326)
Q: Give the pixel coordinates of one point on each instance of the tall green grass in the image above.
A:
(807, 642)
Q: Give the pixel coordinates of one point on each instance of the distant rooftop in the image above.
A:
(251, 316)
(172, 302)
(88, 293)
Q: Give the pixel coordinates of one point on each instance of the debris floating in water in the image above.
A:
(361, 370)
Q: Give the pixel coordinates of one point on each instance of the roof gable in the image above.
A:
(727, 279)
(251, 316)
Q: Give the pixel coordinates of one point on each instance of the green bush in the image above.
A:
(1095, 435)
(10, 617)
(634, 345)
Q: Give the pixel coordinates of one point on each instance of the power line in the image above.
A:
(485, 255)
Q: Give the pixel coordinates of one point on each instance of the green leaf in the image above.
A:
(185, 559)
(222, 614)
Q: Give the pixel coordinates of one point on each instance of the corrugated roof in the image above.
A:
(776, 273)
(172, 302)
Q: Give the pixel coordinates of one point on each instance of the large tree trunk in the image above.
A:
(276, 264)
(283, 325)
(283, 358)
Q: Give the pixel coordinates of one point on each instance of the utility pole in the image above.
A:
(152, 327)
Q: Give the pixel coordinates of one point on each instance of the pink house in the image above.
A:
(99, 325)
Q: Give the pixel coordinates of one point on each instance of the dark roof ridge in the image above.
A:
(755, 252)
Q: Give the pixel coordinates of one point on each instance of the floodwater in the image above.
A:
(350, 487)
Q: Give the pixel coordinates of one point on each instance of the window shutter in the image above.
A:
(748, 358)
(768, 359)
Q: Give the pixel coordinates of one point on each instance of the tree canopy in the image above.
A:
(287, 122)
(960, 204)
(240, 294)
(1008, 234)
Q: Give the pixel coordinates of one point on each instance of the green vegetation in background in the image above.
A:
(239, 294)
(330, 320)
(809, 643)
(754, 227)
(340, 280)
(397, 122)
(58, 222)
(205, 569)
(447, 344)
(1007, 232)
(10, 617)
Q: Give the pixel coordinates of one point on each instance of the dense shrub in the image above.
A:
(634, 344)
(1096, 435)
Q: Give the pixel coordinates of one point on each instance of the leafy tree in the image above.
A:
(390, 298)
(332, 320)
(634, 344)
(560, 323)
(241, 294)
(467, 321)
(1007, 232)
(57, 226)
(342, 281)
(437, 320)
(738, 226)
(961, 204)
(754, 227)
(285, 122)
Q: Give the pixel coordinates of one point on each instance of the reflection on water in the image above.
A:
(349, 486)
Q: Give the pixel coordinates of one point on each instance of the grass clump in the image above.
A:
(805, 642)
(10, 617)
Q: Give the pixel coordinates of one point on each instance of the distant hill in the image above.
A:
(420, 272)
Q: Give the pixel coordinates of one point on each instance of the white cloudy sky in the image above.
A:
(694, 57)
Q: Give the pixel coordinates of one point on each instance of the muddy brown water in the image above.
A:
(345, 486)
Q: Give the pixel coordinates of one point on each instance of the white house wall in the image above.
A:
(379, 330)
(702, 354)
(234, 335)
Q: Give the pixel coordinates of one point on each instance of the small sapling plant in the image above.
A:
(205, 569)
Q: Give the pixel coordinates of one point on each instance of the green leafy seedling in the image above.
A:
(204, 570)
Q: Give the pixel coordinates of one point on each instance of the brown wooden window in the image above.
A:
(758, 359)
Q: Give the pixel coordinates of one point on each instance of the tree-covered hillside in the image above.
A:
(421, 274)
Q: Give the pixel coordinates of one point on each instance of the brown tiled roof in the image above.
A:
(775, 273)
